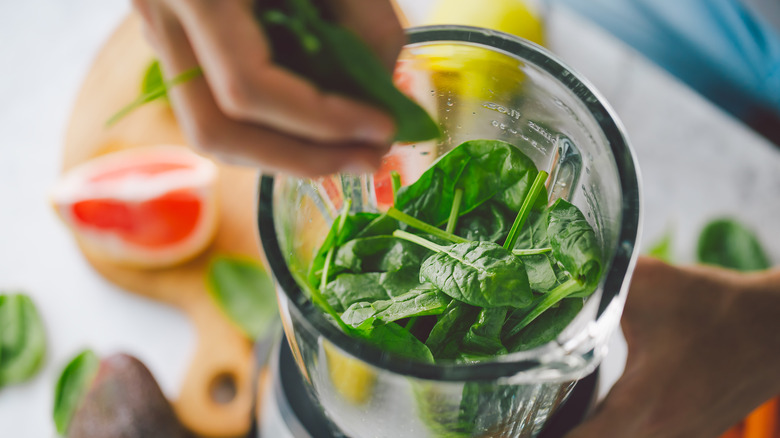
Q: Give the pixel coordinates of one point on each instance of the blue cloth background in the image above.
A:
(719, 47)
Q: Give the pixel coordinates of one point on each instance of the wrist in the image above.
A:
(757, 302)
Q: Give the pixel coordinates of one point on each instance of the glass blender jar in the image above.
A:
(478, 84)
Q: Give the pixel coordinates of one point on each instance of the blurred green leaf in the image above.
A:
(22, 339)
(663, 248)
(729, 244)
(244, 291)
(72, 386)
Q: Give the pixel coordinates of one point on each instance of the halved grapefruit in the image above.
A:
(146, 207)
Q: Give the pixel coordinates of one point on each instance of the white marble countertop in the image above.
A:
(696, 163)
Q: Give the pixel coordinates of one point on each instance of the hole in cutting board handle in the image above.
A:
(223, 388)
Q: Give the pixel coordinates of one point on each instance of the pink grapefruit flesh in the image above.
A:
(147, 207)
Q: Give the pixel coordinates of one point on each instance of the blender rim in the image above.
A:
(613, 282)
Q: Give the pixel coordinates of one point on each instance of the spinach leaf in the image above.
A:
(153, 79)
(541, 274)
(378, 254)
(543, 329)
(534, 235)
(448, 333)
(422, 301)
(662, 249)
(503, 173)
(149, 94)
(483, 337)
(523, 317)
(344, 228)
(574, 243)
(22, 339)
(478, 273)
(305, 39)
(729, 244)
(245, 292)
(72, 386)
(399, 282)
(423, 226)
(525, 209)
(395, 339)
(379, 226)
(348, 289)
(488, 222)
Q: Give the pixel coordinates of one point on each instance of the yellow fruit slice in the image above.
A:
(351, 378)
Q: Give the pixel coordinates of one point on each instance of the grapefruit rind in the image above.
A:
(135, 178)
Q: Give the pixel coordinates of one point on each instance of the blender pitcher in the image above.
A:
(478, 84)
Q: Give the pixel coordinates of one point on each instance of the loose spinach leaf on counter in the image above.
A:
(305, 39)
(22, 339)
(72, 386)
(244, 291)
(729, 244)
(663, 248)
(422, 301)
(477, 273)
(483, 169)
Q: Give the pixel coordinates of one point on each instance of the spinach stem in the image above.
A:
(412, 321)
(154, 94)
(395, 178)
(454, 212)
(522, 215)
(527, 252)
(549, 300)
(316, 297)
(422, 226)
(342, 220)
(418, 240)
(326, 266)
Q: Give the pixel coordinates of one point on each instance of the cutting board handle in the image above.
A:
(217, 394)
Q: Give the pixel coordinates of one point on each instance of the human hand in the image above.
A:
(703, 351)
(247, 110)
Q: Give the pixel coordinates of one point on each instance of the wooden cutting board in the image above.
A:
(222, 350)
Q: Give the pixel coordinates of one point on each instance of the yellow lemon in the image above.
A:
(511, 16)
(351, 378)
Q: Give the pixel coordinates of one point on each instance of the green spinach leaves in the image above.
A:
(72, 386)
(22, 339)
(245, 292)
(729, 244)
(305, 39)
(471, 262)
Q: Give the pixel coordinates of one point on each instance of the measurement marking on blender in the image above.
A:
(513, 113)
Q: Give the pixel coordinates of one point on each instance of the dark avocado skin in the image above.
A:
(124, 401)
